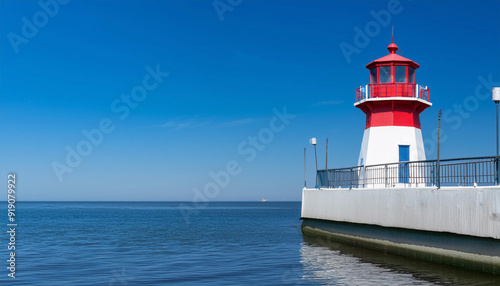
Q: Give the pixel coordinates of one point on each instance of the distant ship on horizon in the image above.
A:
(263, 200)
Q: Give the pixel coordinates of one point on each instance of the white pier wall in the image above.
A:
(461, 210)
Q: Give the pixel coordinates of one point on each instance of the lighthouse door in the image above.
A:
(404, 156)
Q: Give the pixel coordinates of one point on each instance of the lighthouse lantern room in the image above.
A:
(392, 102)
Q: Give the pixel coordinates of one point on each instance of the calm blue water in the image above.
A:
(137, 243)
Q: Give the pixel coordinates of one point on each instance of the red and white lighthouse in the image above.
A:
(392, 102)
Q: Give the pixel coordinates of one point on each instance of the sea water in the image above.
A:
(218, 243)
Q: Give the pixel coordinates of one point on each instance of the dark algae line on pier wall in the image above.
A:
(446, 248)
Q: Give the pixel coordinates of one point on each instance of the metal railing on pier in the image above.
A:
(475, 171)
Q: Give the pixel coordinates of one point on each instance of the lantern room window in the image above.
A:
(399, 73)
(373, 75)
(385, 74)
(411, 75)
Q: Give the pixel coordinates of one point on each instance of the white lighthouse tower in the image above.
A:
(392, 102)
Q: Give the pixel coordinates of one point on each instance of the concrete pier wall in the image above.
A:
(460, 210)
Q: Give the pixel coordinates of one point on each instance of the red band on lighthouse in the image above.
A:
(391, 113)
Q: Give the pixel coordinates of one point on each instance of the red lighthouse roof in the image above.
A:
(393, 57)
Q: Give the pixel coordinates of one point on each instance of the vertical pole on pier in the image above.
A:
(438, 165)
(496, 160)
(316, 160)
(305, 168)
(496, 103)
(326, 164)
(314, 142)
(495, 95)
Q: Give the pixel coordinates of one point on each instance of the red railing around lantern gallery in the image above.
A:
(392, 90)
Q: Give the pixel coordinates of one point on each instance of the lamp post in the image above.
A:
(438, 162)
(313, 142)
(496, 98)
(326, 165)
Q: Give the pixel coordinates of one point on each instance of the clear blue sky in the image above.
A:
(227, 71)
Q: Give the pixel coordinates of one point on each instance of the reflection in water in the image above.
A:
(332, 263)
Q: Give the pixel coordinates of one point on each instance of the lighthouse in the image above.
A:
(392, 103)
(397, 201)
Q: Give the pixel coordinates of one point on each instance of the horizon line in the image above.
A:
(86, 201)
